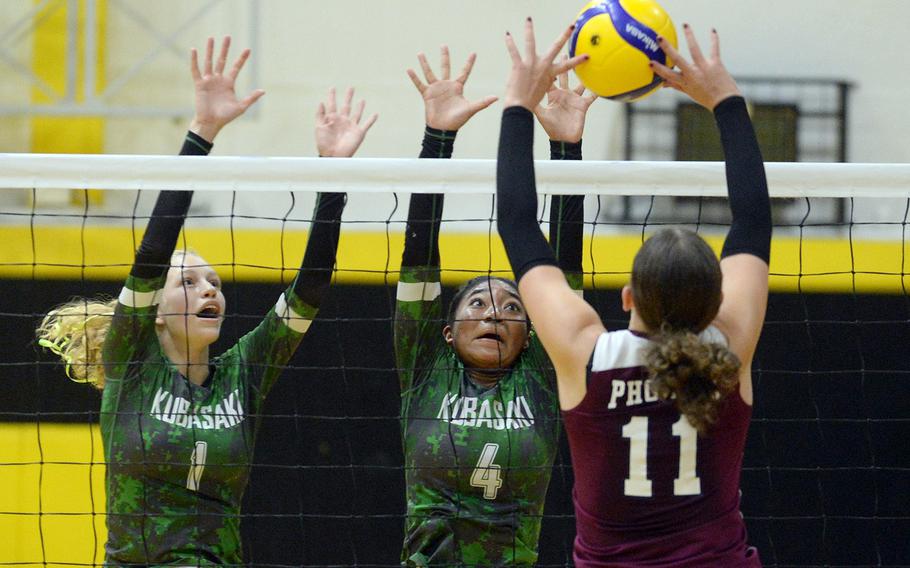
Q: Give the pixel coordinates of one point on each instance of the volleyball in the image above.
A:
(620, 36)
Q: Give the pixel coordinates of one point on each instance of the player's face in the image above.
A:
(490, 329)
(192, 304)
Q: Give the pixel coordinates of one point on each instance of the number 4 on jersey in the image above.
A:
(486, 473)
(638, 484)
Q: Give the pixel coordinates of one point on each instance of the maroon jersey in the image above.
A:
(649, 491)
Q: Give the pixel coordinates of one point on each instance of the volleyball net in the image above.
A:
(826, 467)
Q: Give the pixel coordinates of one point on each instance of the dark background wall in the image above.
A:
(826, 480)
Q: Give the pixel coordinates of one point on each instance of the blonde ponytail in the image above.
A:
(699, 375)
(75, 332)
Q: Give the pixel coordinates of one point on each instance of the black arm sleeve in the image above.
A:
(516, 194)
(321, 247)
(750, 230)
(567, 215)
(421, 240)
(160, 238)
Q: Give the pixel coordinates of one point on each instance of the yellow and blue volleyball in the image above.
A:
(620, 37)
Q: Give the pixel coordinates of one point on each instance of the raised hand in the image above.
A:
(705, 80)
(444, 102)
(563, 117)
(216, 102)
(531, 77)
(338, 134)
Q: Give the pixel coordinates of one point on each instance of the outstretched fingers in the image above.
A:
(694, 49)
(425, 66)
(673, 55)
(222, 57)
(445, 65)
(346, 105)
(365, 127)
(330, 101)
(715, 45)
(530, 42)
(482, 104)
(358, 114)
(466, 70)
(238, 65)
(559, 43)
(512, 49)
(416, 80)
(671, 77)
(251, 100)
(194, 65)
(589, 98)
(563, 78)
(571, 63)
(209, 48)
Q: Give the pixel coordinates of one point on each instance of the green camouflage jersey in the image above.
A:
(477, 460)
(178, 455)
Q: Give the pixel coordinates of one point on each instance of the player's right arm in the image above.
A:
(567, 325)
(747, 248)
(563, 119)
(418, 307)
(133, 326)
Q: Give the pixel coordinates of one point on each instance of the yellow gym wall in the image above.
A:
(52, 502)
(66, 134)
(832, 265)
(56, 470)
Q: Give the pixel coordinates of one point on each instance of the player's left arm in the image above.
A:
(747, 248)
(339, 134)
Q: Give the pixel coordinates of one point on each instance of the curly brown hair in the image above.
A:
(676, 285)
(700, 375)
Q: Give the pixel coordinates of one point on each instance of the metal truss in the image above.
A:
(104, 103)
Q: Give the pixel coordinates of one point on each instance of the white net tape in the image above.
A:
(382, 175)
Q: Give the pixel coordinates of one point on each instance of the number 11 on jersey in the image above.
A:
(638, 484)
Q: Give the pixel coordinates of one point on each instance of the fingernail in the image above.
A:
(713, 31)
(508, 34)
(529, 18)
(660, 39)
(650, 64)
(586, 57)
(686, 26)
(572, 27)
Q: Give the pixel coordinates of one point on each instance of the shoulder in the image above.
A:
(624, 349)
(618, 350)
